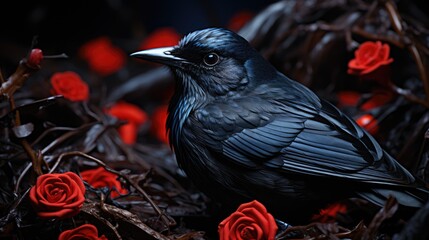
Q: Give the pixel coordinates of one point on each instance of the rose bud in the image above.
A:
(35, 58)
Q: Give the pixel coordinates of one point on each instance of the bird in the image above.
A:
(241, 130)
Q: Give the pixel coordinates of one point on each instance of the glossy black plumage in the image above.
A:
(241, 130)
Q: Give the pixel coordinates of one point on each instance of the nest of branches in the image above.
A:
(45, 133)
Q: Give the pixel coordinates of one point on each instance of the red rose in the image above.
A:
(162, 37)
(250, 221)
(70, 85)
(239, 19)
(369, 57)
(58, 195)
(134, 117)
(159, 119)
(100, 177)
(86, 231)
(368, 122)
(102, 56)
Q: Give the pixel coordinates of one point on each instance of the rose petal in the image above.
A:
(258, 217)
(60, 213)
(77, 180)
(365, 52)
(353, 64)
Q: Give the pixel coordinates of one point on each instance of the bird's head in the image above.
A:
(214, 60)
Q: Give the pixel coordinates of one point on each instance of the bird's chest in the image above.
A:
(194, 153)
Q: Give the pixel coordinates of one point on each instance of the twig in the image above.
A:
(12, 211)
(17, 79)
(395, 19)
(27, 148)
(408, 95)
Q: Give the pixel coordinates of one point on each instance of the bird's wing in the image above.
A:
(331, 144)
(305, 140)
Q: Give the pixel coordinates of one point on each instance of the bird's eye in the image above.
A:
(211, 59)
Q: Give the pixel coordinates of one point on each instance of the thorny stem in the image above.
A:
(167, 220)
(27, 148)
(396, 21)
(17, 79)
(7, 89)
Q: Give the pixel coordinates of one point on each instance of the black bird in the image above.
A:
(241, 130)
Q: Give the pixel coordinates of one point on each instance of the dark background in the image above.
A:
(65, 25)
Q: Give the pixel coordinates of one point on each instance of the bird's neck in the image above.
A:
(188, 97)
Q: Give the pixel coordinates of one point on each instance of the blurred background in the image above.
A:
(66, 25)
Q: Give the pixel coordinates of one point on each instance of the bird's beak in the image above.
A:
(160, 55)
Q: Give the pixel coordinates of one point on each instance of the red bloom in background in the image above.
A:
(86, 231)
(102, 56)
(348, 98)
(368, 122)
(250, 221)
(134, 117)
(70, 85)
(369, 57)
(239, 19)
(58, 195)
(329, 214)
(100, 177)
(378, 99)
(159, 119)
(162, 37)
(351, 99)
